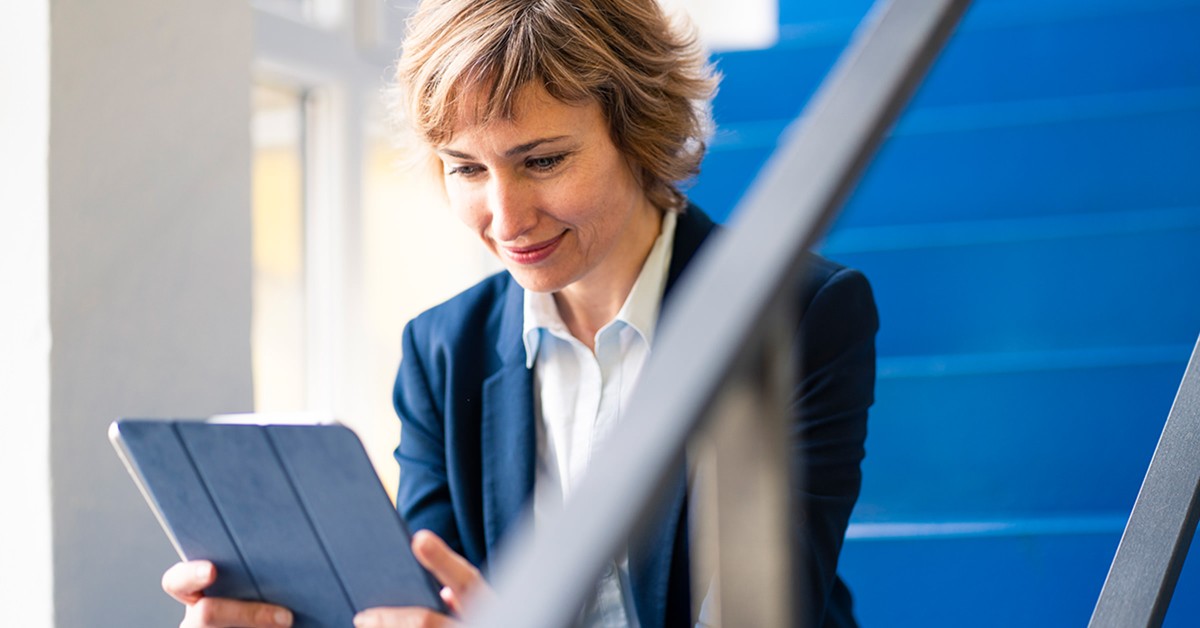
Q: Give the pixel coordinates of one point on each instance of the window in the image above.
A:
(347, 246)
(319, 13)
(278, 328)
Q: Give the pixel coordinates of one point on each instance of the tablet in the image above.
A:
(293, 515)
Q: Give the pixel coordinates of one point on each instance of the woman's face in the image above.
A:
(551, 196)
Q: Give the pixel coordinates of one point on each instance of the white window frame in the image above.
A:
(327, 60)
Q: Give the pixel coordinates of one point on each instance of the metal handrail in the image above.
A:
(734, 288)
(1141, 580)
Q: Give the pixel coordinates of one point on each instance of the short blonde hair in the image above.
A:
(649, 75)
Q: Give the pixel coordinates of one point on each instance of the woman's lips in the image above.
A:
(533, 254)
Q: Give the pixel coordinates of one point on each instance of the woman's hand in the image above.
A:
(460, 581)
(186, 582)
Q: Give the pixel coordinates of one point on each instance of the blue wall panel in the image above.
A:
(1015, 443)
(1030, 581)
(990, 61)
(1116, 290)
(1139, 161)
(996, 166)
(1043, 60)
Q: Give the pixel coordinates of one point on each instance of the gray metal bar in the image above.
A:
(742, 510)
(1146, 567)
(716, 312)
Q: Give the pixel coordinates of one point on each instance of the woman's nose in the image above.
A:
(513, 212)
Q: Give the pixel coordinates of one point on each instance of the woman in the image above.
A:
(563, 128)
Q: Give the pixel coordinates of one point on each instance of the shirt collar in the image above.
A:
(640, 310)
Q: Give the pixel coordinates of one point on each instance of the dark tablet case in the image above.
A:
(289, 514)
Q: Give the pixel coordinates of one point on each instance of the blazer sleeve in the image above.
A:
(835, 358)
(423, 496)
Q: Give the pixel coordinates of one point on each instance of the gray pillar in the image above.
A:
(149, 256)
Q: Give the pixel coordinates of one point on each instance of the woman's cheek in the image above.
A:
(471, 213)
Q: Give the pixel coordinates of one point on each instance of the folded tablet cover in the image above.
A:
(289, 514)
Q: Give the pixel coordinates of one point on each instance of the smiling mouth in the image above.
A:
(535, 253)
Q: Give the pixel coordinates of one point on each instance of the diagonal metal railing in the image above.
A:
(1142, 578)
(735, 299)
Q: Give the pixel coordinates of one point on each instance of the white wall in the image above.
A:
(149, 233)
(25, 543)
(731, 25)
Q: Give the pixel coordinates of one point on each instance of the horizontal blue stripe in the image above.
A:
(836, 23)
(1023, 444)
(765, 134)
(1036, 581)
(951, 119)
(1026, 361)
(1001, 231)
(1120, 290)
(935, 530)
(751, 134)
(1034, 63)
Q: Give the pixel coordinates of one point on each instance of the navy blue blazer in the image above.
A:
(468, 442)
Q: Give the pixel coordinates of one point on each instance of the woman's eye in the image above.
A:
(464, 170)
(544, 164)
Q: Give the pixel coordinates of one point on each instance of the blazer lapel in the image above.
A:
(508, 434)
(691, 230)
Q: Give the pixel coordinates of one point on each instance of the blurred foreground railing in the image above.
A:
(723, 354)
(1150, 556)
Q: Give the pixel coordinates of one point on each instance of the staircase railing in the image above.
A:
(735, 298)
(1151, 554)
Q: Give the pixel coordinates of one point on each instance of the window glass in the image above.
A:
(320, 13)
(278, 327)
(290, 8)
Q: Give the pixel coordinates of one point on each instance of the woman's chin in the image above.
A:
(536, 281)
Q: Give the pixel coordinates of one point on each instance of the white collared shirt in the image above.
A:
(579, 396)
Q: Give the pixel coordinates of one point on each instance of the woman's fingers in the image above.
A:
(444, 563)
(186, 581)
(401, 618)
(459, 577)
(212, 612)
(451, 601)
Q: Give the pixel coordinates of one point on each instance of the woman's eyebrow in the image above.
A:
(454, 153)
(528, 146)
(519, 149)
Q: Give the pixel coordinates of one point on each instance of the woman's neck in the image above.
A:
(589, 304)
